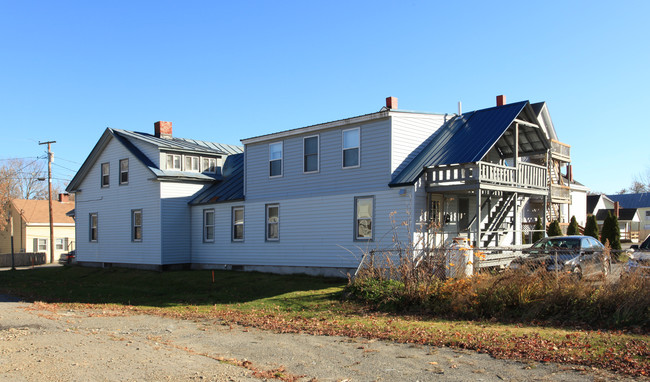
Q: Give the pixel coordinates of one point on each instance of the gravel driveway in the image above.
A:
(90, 345)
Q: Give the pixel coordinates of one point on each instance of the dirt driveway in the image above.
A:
(62, 345)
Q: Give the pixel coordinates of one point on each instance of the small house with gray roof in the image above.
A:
(314, 199)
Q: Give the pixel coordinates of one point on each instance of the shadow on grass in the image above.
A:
(166, 289)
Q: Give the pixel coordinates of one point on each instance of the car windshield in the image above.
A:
(646, 244)
(558, 243)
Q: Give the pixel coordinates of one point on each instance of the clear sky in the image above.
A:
(224, 71)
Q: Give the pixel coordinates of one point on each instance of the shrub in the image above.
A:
(573, 228)
(611, 232)
(554, 229)
(591, 227)
(538, 234)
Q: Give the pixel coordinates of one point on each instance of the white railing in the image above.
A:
(560, 193)
(560, 149)
(526, 175)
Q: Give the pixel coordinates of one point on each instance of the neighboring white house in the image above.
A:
(313, 199)
(640, 202)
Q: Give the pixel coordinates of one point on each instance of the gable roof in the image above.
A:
(640, 200)
(465, 139)
(624, 214)
(183, 145)
(231, 188)
(38, 211)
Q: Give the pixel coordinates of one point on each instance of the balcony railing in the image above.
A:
(526, 175)
(560, 194)
(560, 151)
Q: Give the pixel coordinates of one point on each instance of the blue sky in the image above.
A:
(224, 71)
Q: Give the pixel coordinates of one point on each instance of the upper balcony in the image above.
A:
(560, 151)
(526, 177)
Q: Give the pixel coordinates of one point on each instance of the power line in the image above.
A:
(69, 169)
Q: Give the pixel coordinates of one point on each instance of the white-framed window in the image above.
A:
(275, 159)
(209, 165)
(192, 163)
(92, 225)
(208, 225)
(238, 224)
(364, 207)
(272, 222)
(136, 225)
(647, 215)
(61, 243)
(124, 171)
(106, 174)
(310, 152)
(40, 245)
(173, 162)
(351, 148)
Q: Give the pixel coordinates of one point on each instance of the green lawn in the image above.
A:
(306, 304)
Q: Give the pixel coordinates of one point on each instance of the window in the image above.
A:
(310, 153)
(191, 163)
(40, 245)
(208, 226)
(136, 225)
(173, 162)
(106, 171)
(351, 147)
(647, 215)
(363, 211)
(124, 171)
(209, 165)
(275, 159)
(237, 223)
(60, 244)
(272, 222)
(93, 227)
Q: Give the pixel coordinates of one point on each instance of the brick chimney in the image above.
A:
(162, 129)
(569, 173)
(391, 102)
(617, 208)
(501, 100)
(64, 198)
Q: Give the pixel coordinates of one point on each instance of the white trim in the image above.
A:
(119, 180)
(350, 148)
(232, 223)
(317, 136)
(205, 225)
(266, 222)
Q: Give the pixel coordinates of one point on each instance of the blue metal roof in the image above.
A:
(181, 144)
(463, 139)
(232, 186)
(640, 200)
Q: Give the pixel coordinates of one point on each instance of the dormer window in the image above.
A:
(191, 163)
(173, 162)
(209, 165)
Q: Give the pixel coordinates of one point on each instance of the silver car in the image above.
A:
(639, 261)
(578, 255)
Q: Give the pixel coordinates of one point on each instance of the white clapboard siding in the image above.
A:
(409, 132)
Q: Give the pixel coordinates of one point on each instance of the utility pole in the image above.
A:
(11, 223)
(49, 194)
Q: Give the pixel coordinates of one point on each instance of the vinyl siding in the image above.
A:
(176, 245)
(315, 231)
(409, 132)
(151, 151)
(372, 174)
(113, 206)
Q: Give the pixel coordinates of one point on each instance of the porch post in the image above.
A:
(516, 235)
(478, 218)
(544, 217)
(516, 153)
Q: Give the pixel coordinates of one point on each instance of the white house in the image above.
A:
(313, 199)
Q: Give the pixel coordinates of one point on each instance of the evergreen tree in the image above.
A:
(611, 232)
(554, 229)
(591, 227)
(573, 227)
(538, 234)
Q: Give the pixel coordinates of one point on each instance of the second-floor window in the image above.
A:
(351, 148)
(124, 171)
(191, 163)
(106, 174)
(209, 165)
(310, 152)
(275, 159)
(173, 162)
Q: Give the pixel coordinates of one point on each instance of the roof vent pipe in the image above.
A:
(460, 108)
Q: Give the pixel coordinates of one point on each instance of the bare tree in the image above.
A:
(20, 179)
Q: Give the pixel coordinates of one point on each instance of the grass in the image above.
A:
(314, 305)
